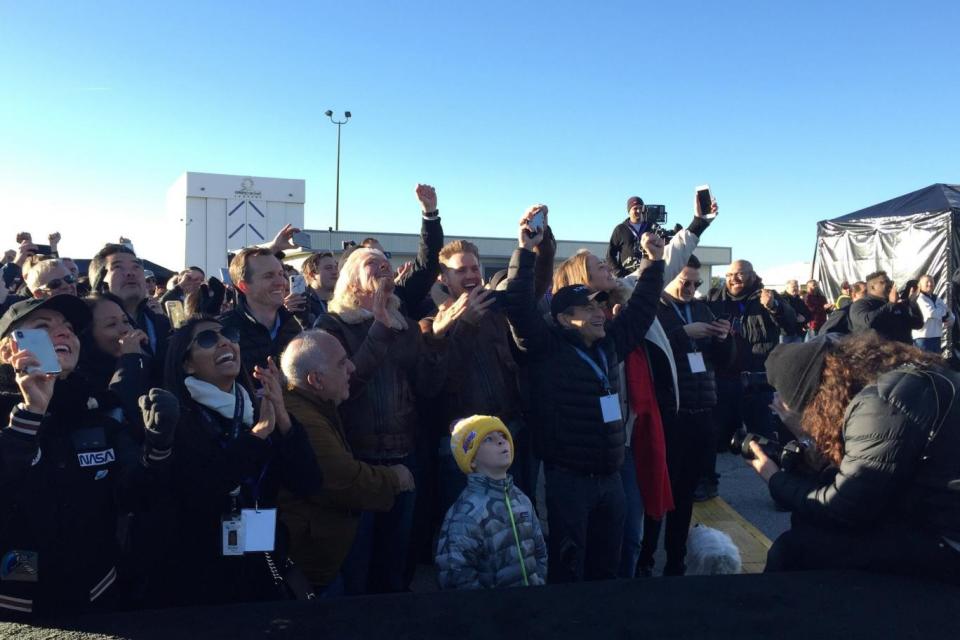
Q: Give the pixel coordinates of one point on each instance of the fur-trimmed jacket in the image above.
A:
(394, 365)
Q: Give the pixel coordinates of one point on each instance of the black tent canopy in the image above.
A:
(908, 236)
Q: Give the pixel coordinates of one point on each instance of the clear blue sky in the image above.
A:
(792, 113)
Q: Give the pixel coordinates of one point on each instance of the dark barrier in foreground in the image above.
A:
(803, 605)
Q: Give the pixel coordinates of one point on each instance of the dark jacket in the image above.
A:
(256, 343)
(415, 286)
(65, 478)
(209, 463)
(697, 390)
(393, 367)
(799, 308)
(568, 426)
(623, 252)
(756, 329)
(322, 526)
(838, 321)
(901, 446)
(892, 320)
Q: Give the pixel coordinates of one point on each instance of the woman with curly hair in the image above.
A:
(885, 419)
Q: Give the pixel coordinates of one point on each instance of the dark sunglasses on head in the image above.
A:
(208, 338)
(56, 283)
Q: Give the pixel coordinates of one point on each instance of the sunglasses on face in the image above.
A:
(56, 283)
(687, 283)
(208, 338)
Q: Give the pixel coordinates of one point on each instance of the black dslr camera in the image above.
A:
(788, 456)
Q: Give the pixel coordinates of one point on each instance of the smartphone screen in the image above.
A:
(705, 200)
(175, 312)
(225, 276)
(37, 341)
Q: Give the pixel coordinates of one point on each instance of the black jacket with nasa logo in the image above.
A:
(64, 479)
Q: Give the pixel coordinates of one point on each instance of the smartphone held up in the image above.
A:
(38, 342)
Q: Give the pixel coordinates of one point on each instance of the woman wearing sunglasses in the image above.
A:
(235, 449)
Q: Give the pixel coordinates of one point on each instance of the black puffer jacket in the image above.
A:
(256, 344)
(901, 455)
(697, 390)
(569, 430)
(756, 329)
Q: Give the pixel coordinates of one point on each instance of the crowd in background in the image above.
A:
(279, 433)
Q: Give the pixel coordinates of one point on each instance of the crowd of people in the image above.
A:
(213, 440)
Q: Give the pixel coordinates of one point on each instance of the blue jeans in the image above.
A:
(378, 559)
(927, 344)
(633, 523)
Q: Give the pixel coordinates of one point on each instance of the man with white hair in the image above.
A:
(323, 527)
(47, 278)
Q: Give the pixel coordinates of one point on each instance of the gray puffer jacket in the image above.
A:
(477, 548)
(901, 459)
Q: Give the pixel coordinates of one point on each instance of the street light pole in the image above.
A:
(339, 123)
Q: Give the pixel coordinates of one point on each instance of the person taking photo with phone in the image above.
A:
(69, 466)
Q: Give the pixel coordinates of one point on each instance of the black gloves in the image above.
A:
(161, 412)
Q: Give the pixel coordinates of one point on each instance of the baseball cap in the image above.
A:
(574, 295)
(72, 308)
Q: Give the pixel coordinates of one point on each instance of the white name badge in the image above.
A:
(259, 529)
(610, 407)
(696, 362)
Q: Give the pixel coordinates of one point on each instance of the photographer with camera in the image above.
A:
(886, 417)
(889, 312)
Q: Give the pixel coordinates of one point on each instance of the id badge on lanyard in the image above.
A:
(695, 358)
(609, 403)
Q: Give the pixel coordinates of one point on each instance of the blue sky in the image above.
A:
(791, 113)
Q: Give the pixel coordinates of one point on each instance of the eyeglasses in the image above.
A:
(740, 275)
(56, 283)
(696, 285)
(208, 338)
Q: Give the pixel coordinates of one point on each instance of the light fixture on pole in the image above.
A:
(339, 123)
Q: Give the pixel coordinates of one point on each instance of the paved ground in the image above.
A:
(746, 492)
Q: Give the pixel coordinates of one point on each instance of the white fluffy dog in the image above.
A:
(711, 552)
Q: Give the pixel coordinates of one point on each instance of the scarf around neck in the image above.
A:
(222, 402)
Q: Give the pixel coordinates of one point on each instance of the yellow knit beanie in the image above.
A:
(467, 435)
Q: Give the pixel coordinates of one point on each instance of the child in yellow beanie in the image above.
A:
(491, 536)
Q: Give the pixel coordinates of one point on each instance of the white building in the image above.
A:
(216, 214)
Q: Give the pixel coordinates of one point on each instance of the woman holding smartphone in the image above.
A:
(68, 467)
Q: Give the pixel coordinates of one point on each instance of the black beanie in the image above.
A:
(794, 370)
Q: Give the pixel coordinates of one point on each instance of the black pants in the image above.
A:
(586, 514)
(897, 548)
(690, 446)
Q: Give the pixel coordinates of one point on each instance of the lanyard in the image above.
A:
(237, 412)
(685, 321)
(602, 374)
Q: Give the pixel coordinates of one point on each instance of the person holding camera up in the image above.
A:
(886, 418)
(576, 416)
(889, 312)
